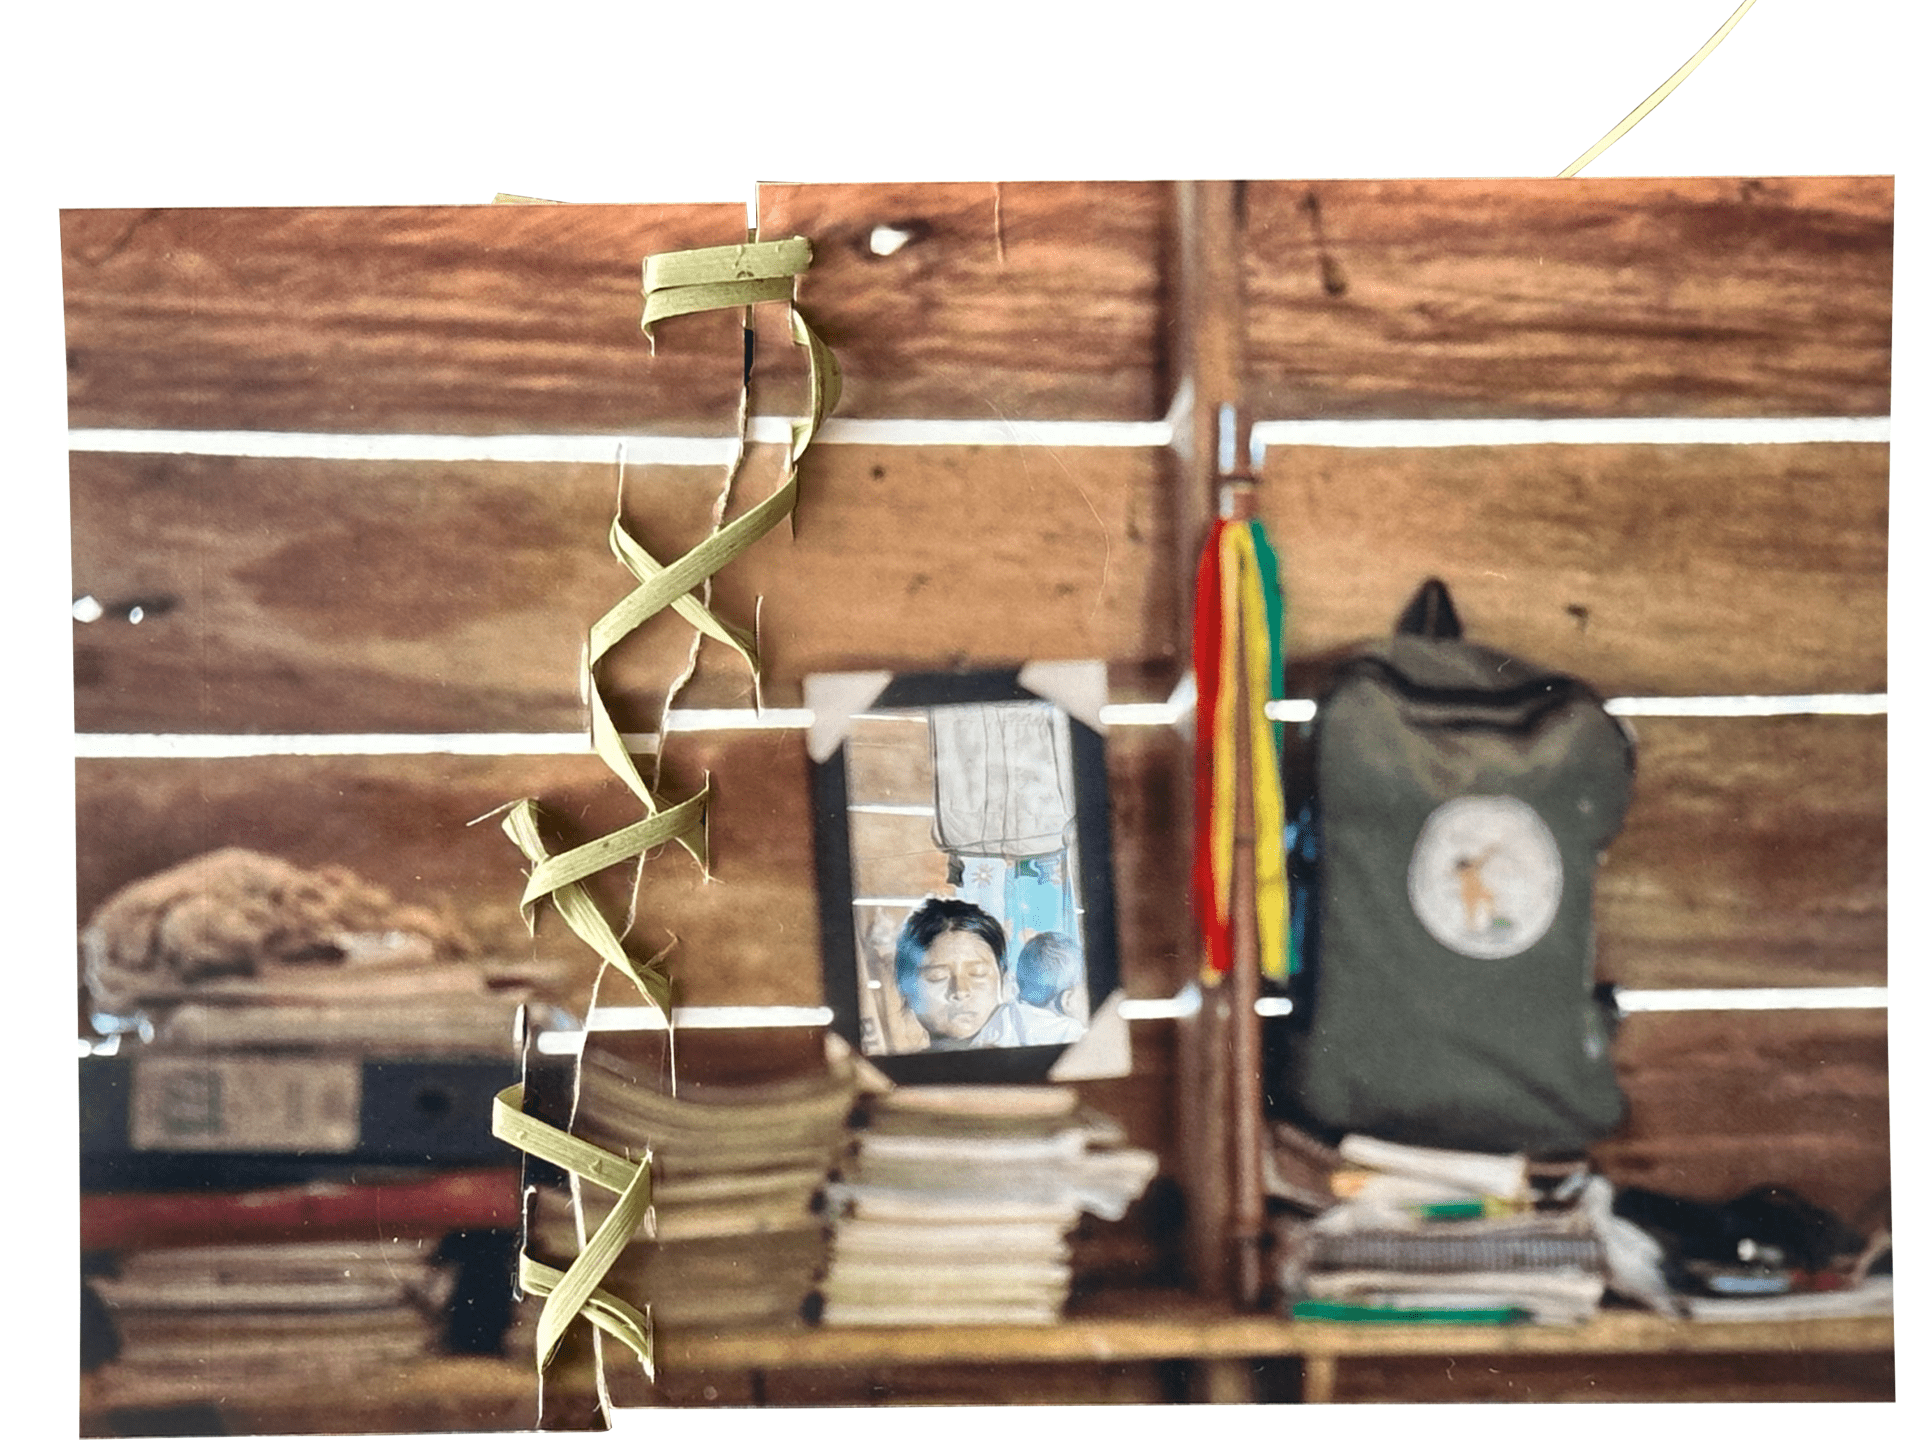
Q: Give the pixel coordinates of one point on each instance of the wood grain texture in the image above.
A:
(1149, 789)
(1645, 569)
(1010, 1382)
(434, 1395)
(1597, 297)
(390, 596)
(1615, 1379)
(1007, 301)
(1754, 853)
(477, 319)
(1722, 1101)
(1148, 1323)
(400, 597)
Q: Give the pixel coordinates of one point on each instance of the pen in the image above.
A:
(1481, 1209)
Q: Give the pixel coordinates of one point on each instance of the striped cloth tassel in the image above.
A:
(1238, 621)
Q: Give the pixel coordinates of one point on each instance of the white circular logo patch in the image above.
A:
(1485, 877)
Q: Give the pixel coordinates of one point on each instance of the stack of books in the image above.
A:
(956, 1205)
(1407, 1233)
(744, 1127)
(231, 1313)
(204, 1288)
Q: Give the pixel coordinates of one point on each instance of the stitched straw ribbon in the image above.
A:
(576, 1291)
(679, 283)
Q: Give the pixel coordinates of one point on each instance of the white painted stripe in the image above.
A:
(605, 449)
(1854, 997)
(91, 746)
(655, 449)
(94, 746)
(737, 719)
(1839, 997)
(1061, 434)
(1633, 430)
(517, 449)
(239, 747)
(1173, 1007)
(687, 1017)
(1299, 711)
(1750, 705)
(1187, 1002)
(1158, 712)
(877, 808)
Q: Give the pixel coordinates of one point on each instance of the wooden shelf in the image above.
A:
(1175, 1326)
(475, 1393)
(461, 1393)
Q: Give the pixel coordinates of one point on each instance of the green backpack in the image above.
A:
(1460, 802)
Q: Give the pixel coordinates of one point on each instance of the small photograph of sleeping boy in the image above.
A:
(961, 824)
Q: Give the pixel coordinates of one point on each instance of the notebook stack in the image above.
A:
(744, 1127)
(1405, 1233)
(210, 1313)
(956, 1205)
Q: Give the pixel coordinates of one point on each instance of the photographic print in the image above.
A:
(962, 845)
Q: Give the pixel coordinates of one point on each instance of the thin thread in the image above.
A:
(1640, 111)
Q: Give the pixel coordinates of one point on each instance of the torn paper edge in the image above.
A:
(1104, 1052)
(1078, 687)
(834, 701)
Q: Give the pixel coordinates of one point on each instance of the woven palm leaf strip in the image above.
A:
(678, 283)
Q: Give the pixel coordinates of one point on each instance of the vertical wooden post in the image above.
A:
(1317, 1384)
(1246, 1191)
(1208, 363)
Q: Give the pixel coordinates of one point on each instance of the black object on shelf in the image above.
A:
(150, 1122)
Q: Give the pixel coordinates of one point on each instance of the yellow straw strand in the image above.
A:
(674, 284)
(1641, 110)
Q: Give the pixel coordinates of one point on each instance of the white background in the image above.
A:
(111, 104)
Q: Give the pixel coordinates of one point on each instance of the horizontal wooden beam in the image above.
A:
(396, 596)
(367, 596)
(1592, 297)
(1754, 853)
(1011, 301)
(1647, 570)
(484, 319)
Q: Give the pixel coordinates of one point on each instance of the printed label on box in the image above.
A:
(251, 1104)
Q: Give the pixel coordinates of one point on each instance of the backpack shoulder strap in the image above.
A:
(1431, 613)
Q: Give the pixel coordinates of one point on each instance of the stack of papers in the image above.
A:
(738, 1165)
(1415, 1234)
(956, 1205)
(237, 1311)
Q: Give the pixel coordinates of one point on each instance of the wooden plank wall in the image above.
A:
(361, 596)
